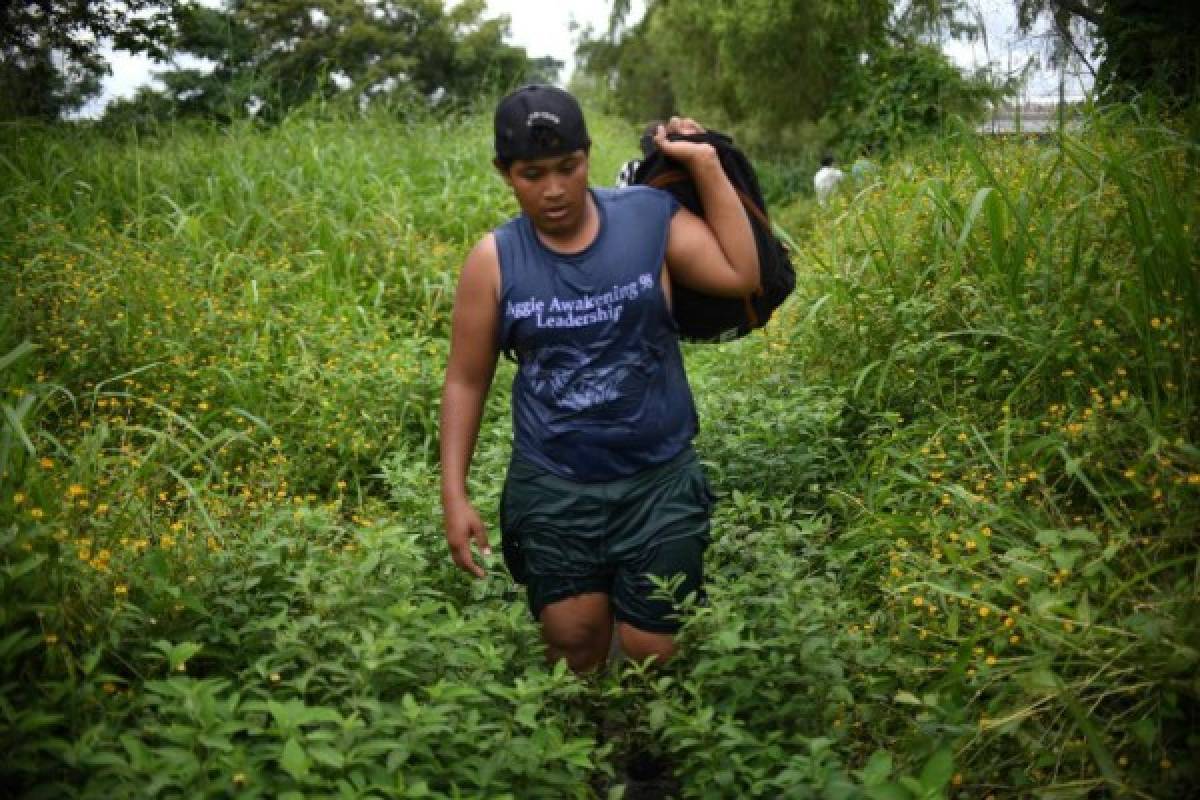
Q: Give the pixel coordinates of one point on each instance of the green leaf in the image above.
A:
(25, 566)
(527, 715)
(938, 770)
(18, 642)
(180, 653)
(1039, 681)
(889, 791)
(878, 768)
(21, 350)
(1091, 733)
(1146, 731)
(293, 759)
(327, 756)
(1083, 610)
(1048, 538)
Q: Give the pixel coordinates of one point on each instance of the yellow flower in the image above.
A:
(75, 490)
(36, 513)
(984, 611)
(18, 498)
(46, 463)
(51, 639)
(121, 590)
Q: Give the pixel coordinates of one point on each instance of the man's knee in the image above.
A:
(638, 645)
(578, 629)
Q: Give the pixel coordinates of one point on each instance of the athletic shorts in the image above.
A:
(563, 538)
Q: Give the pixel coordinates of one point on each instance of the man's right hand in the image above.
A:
(463, 525)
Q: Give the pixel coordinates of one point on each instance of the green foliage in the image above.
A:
(768, 63)
(1012, 332)
(772, 69)
(959, 478)
(905, 92)
(50, 59)
(1142, 48)
(271, 56)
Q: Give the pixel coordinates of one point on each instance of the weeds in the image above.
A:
(955, 554)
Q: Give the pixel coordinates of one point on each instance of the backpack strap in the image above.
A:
(673, 176)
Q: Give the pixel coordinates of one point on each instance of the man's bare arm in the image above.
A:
(469, 372)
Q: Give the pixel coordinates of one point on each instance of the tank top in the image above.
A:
(599, 391)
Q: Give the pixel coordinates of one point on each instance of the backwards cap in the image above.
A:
(538, 121)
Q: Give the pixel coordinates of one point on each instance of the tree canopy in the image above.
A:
(51, 50)
(273, 55)
(1142, 46)
(771, 65)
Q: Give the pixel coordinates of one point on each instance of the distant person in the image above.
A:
(827, 179)
(630, 167)
(862, 168)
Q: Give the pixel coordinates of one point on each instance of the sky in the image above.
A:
(545, 28)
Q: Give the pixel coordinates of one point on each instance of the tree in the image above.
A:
(635, 75)
(1143, 46)
(903, 92)
(278, 54)
(767, 66)
(50, 50)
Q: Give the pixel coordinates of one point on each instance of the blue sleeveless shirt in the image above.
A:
(600, 391)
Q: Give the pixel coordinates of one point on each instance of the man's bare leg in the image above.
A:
(578, 629)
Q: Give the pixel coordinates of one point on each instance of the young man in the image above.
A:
(604, 489)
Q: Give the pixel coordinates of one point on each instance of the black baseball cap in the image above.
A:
(538, 121)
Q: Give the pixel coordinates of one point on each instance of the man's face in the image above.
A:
(552, 191)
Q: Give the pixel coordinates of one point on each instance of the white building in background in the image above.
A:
(1031, 117)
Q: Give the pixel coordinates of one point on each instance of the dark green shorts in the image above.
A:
(562, 538)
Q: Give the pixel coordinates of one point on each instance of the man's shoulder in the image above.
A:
(637, 196)
(827, 175)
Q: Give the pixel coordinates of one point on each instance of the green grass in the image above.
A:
(959, 475)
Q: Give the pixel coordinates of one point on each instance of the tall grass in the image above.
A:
(1012, 484)
(955, 554)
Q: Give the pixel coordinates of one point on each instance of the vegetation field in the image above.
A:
(955, 553)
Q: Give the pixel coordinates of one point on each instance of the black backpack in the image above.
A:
(706, 318)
